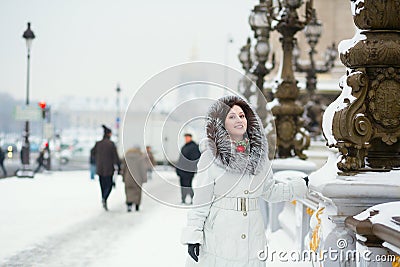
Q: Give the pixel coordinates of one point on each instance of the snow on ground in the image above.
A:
(56, 219)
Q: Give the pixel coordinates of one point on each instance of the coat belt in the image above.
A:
(237, 203)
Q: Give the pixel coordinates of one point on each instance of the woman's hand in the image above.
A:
(193, 250)
(299, 186)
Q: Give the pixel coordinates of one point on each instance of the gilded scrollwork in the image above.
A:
(378, 49)
(287, 130)
(352, 158)
(389, 139)
(291, 135)
(377, 14)
(366, 127)
(351, 126)
(384, 97)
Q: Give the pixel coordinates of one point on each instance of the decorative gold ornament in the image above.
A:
(367, 126)
(309, 211)
(292, 138)
(316, 234)
(396, 263)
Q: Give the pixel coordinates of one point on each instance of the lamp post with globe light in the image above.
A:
(245, 59)
(313, 32)
(260, 21)
(28, 36)
(292, 139)
(313, 107)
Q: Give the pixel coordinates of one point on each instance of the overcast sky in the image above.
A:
(87, 47)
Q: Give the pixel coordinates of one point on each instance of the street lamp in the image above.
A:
(292, 139)
(313, 108)
(313, 32)
(260, 22)
(245, 56)
(246, 61)
(118, 118)
(28, 36)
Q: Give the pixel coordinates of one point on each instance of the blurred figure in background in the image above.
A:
(134, 173)
(92, 162)
(187, 166)
(106, 157)
(43, 159)
(2, 157)
(150, 162)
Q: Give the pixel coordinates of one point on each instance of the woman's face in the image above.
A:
(236, 123)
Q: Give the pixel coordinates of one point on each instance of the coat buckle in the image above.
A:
(243, 204)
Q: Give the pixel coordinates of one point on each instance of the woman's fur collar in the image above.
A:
(220, 144)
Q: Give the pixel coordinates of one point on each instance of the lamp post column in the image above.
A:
(118, 118)
(313, 108)
(245, 59)
(260, 22)
(28, 36)
(291, 137)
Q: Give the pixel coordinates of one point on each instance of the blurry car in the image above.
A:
(65, 156)
(62, 153)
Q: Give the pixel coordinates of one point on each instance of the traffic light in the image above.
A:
(42, 106)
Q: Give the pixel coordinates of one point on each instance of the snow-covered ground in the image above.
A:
(56, 219)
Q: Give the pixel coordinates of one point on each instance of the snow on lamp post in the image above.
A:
(292, 139)
(313, 108)
(364, 124)
(366, 120)
(260, 22)
(313, 32)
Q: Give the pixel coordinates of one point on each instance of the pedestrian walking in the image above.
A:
(150, 162)
(43, 158)
(225, 228)
(2, 158)
(187, 167)
(92, 162)
(106, 157)
(134, 173)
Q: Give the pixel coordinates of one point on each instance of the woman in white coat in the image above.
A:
(225, 227)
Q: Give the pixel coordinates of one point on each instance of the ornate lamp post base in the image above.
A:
(25, 173)
(366, 124)
(292, 139)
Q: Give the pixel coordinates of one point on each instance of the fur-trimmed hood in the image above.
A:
(220, 144)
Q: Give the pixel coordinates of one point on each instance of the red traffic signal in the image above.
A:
(42, 104)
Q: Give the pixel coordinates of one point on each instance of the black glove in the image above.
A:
(193, 250)
(306, 179)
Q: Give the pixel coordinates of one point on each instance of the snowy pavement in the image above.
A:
(56, 219)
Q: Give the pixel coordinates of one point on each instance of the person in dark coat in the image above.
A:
(2, 157)
(43, 158)
(106, 157)
(187, 166)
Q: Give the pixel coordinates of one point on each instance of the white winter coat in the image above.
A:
(229, 234)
